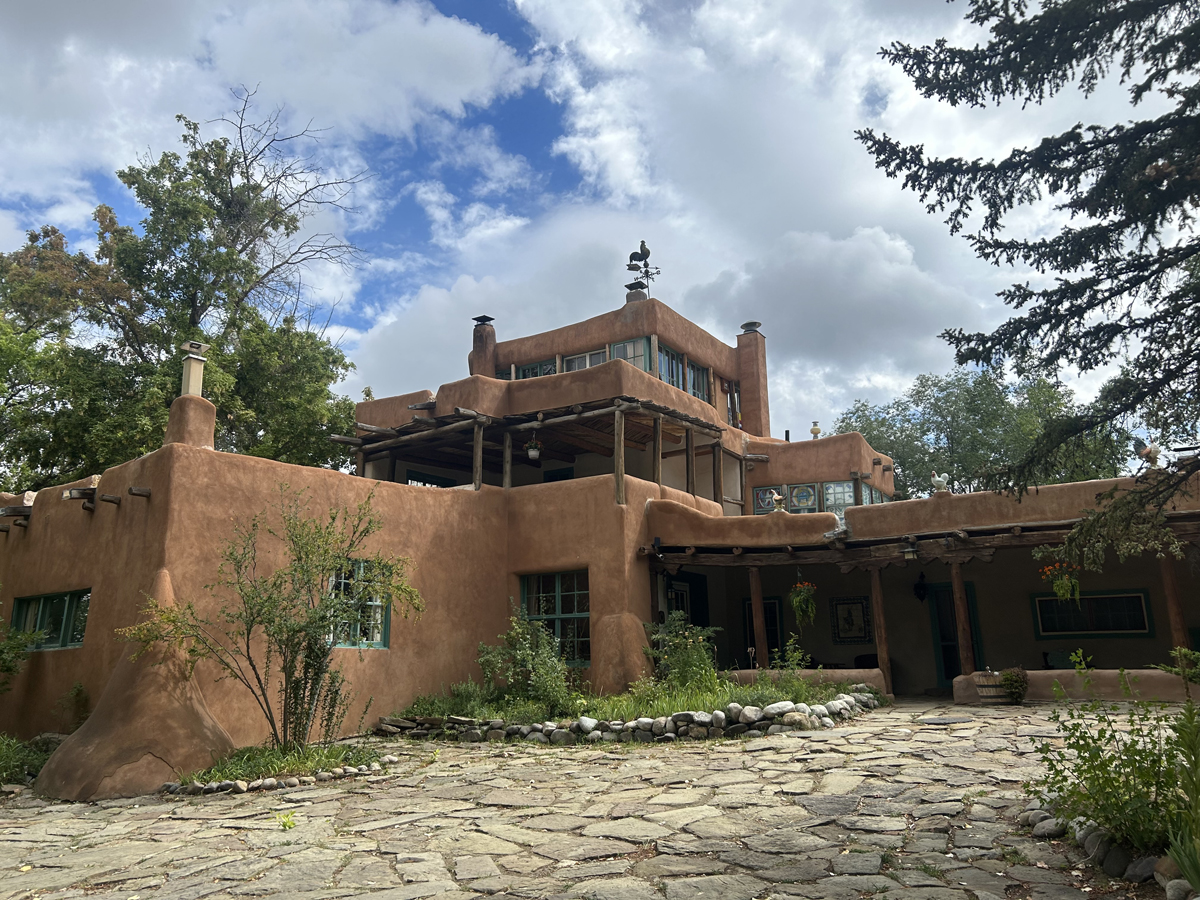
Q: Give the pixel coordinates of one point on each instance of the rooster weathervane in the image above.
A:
(639, 262)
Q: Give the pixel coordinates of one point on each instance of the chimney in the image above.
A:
(482, 358)
(752, 374)
(193, 368)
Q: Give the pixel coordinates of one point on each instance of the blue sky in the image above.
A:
(519, 150)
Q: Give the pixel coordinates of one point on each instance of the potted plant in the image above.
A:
(1064, 579)
(1015, 682)
(534, 448)
(803, 597)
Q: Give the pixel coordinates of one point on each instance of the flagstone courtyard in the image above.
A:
(917, 800)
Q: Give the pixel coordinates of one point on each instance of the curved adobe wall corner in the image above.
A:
(150, 723)
(624, 634)
(193, 421)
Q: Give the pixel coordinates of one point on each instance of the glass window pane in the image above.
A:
(575, 363)
(596, 358)
(54, 612)
(25, 616)
(79, 612)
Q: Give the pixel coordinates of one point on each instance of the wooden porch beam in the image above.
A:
(880, 626)
(760, 618)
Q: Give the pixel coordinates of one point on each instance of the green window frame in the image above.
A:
(697, 378)
(636, 352)
(560, 600)
(585, 360)
(62, 618)
(537, 369)
(371, 629)
(504, 374)
(1092, 617)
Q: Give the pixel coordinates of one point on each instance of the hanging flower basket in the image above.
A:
(1064, 579)
(534, 448)
(803, 597)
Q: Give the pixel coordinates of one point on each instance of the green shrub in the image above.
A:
(19, 760)
(1015, 682)
(1119, 771)
(527, 666)
(683, 653)
(1185, 835)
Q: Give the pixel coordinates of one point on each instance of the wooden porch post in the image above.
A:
(507, 459)
(962, 618)
(392, 467)
(360, 464)
(477, 457)
(718, 462)
(881, 640)
(619, 456)
(1179, 632)
(760, 618)
(690, 435)
(656, 461)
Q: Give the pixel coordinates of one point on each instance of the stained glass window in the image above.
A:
(802, 498)
(837, 496)
(762, 498)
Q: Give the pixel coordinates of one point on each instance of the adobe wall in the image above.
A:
(391, 412)
(115, 551)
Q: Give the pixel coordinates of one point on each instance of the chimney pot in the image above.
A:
(193, 368)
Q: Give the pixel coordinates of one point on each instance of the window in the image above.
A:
(504, 374)
(838, 495)
(564, 474)
(1112, 614)
(424, 479)
(697, 377)
(801, 498)
(772, 621)
(584, 361)
(670, 366)
(867, 497)
(61, 618)
(560, 600)
(763, 503)
(369, 628)
(633, 352)
(537, 369)
(733, 402)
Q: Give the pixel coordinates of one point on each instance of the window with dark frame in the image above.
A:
(62, 618)
(370, 630)
(670, 366)
(633, 352)
(560, 601)
(697, 380)
(537, 369)
(584, 360)
(1115, 613)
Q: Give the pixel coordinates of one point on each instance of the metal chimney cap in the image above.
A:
(194, 348)
(483, 320)
(750, 327)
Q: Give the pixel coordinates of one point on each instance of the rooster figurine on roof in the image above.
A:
(639, 256)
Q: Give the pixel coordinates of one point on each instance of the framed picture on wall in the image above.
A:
(851, 620)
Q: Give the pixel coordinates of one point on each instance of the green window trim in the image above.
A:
(62, 618)
(1039, 635)
(375, 618)
(562, 601)
(537, 369)
(670, 367)
(635, 351)
(697, 381)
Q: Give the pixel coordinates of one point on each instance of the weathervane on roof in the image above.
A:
(639, 262)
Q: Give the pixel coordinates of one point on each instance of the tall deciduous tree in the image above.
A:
(1115, 281)
(91, 344)
(972, 424)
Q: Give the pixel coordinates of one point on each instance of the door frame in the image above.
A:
(976, 638)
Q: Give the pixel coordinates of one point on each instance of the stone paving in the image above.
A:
(916, 800)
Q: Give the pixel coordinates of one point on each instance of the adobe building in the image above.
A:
(601, 475)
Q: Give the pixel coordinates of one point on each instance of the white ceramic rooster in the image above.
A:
(940, 482)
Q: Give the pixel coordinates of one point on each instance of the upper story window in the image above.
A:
(670, 366)
(1094, 614)
(504, 374)
(697, 381)
(838, 496)
(733, 402)
(61, 618)
(534, 370)
(633, 352)
(584, 360)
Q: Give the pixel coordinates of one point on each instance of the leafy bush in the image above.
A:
(14, 647)
(1185, 836)
(792, 658)
(683, 653)
(1015, 682)
(527, 666)
(1123, 775)
(19, 760)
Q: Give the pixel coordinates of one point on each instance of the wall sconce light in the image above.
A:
(920, 589)
(910, 552)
